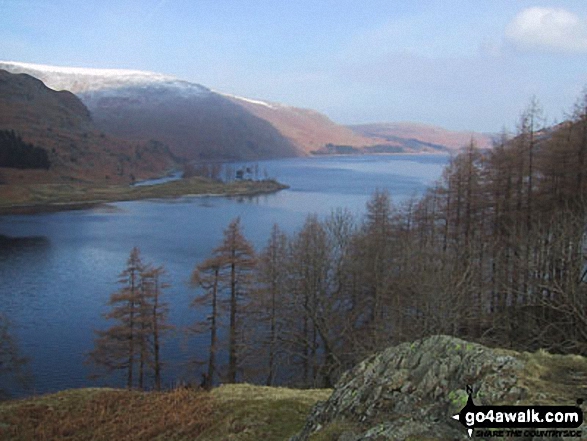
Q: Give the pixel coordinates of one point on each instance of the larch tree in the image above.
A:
(133, 341)
(271, 304)
(116, 347)
(207, 276)
(155, 316)
(237, 260)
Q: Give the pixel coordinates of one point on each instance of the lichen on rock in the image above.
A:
(410, 391)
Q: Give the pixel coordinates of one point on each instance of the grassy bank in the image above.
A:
(35, 198)
(231, 412)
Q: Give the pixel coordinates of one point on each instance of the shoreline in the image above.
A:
(327, 155)
(58, 198)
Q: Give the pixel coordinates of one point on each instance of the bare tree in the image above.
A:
(272, 277)
(133, 341)
(237, 259)
(208, 277)
(155, 316)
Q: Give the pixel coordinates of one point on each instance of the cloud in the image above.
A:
(548, 29)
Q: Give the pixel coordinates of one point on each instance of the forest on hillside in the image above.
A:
(494, 252)
(15, 153)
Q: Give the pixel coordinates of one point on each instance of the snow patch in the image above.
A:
(248, 100)
(81, 79)
(85, 71)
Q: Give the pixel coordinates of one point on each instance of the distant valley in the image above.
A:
(422, 137)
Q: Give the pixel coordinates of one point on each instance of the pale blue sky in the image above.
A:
(460, 64)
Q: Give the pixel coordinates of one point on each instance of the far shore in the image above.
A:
(44, 198)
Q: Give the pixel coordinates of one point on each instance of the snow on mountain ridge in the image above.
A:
(90, 71)
(81, 79)
(249, 100)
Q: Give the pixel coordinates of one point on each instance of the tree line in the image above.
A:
(493, 252)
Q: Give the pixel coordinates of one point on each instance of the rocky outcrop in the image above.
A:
(412, 390)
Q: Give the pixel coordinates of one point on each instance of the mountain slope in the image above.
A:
(61, 124)
(195, 122)
(421, 136)
(309, 130)
(198, 123)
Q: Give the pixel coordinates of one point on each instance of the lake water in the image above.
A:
(58, 270)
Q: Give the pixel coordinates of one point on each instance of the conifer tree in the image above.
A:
(208, 277)
(229, 270)
(155, 316)
(237, 259)
(139, 316)
(272, 275)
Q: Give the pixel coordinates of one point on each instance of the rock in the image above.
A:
(410, 391)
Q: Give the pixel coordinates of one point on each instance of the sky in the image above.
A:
(459, 64)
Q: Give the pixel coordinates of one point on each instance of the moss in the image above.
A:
(458, 399)
(334, 431)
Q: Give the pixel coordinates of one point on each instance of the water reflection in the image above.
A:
(14, 375)
(10, 244)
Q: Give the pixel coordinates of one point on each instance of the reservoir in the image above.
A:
(57, 270)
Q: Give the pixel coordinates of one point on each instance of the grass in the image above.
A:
(231, 412)
(47, 197)
(245, 412)
(561, 379)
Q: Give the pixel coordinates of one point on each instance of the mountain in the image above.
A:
(194, 121)
(61, 125)
(202, 124)
(422, 137)
(309, 130)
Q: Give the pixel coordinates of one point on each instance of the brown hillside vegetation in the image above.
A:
(199, 123)
(404, 133)
(78, 152)
(307, 129)
(193, 121)
(233, 412)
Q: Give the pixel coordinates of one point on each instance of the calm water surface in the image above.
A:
(58, 270)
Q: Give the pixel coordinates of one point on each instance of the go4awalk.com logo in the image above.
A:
(527, 421)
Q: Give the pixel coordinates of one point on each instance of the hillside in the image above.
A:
(231, 412)
(309, 130)
(198, 123)
(59, 123)
(195, 122)
(421, 137)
